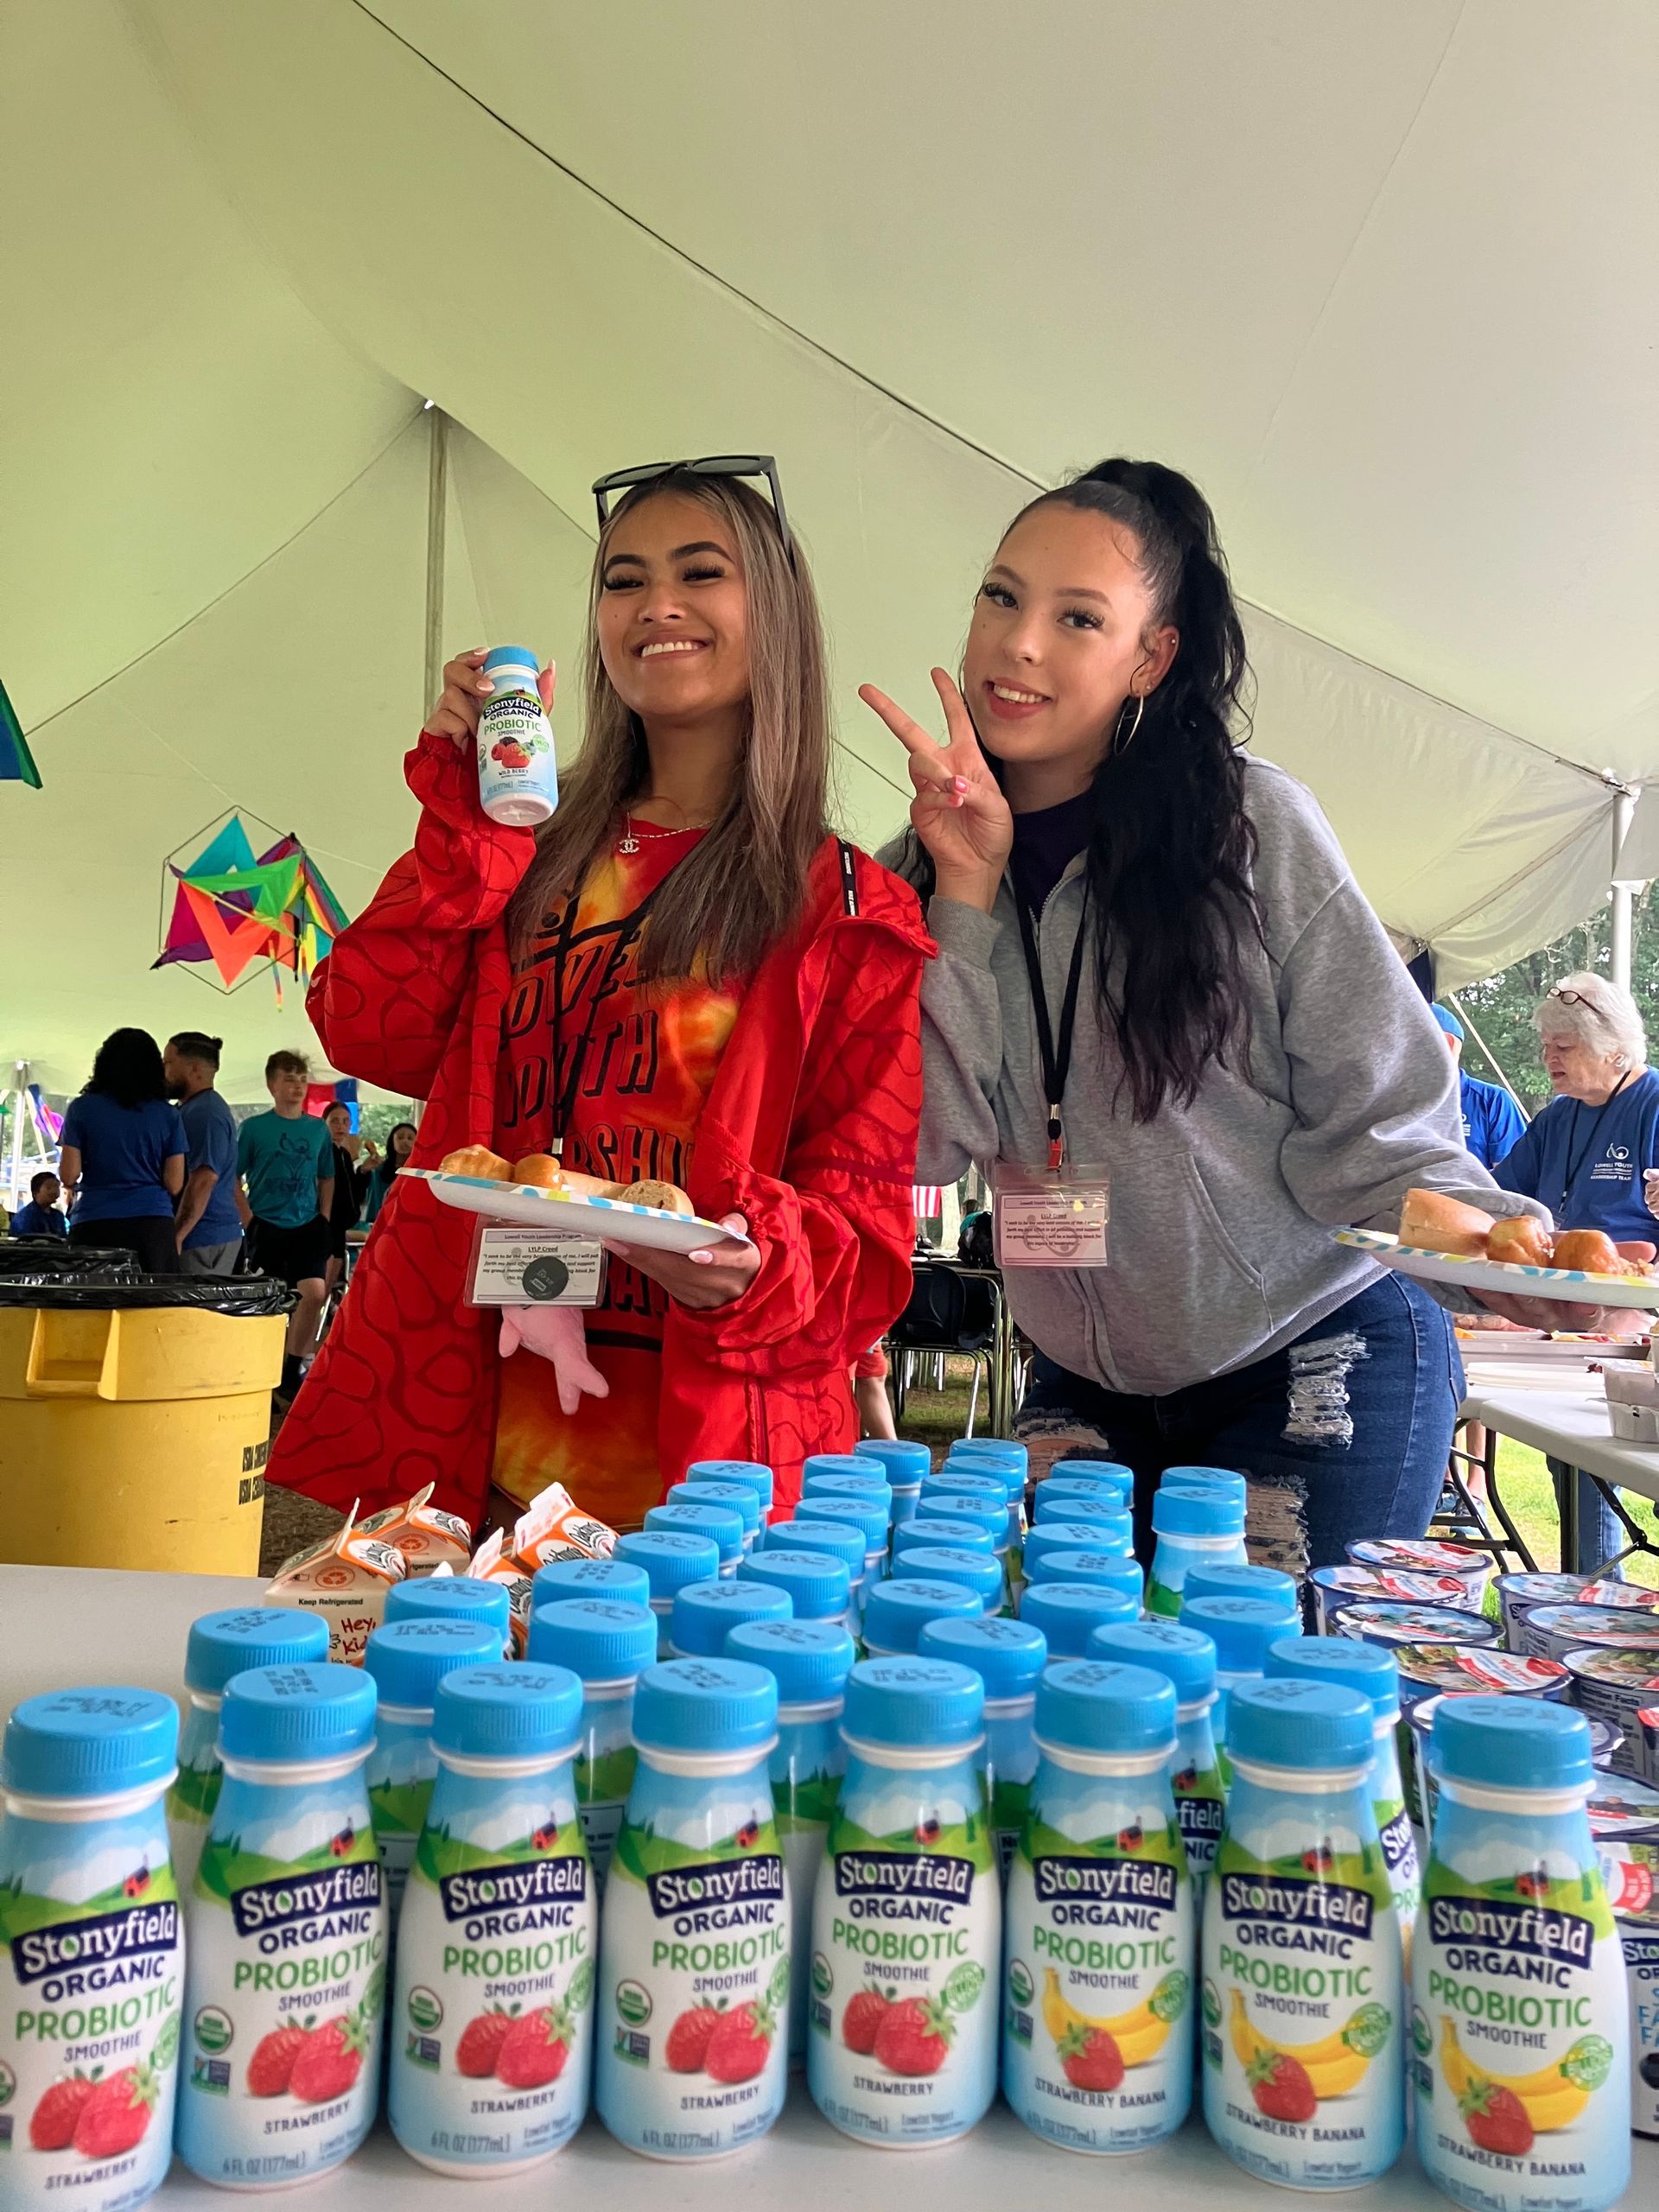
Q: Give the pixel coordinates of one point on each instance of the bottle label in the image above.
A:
(803, 1806)
(1642, 1973)
(1097, 2042)
(604, 1776)
(190, 1805)
(1010, 1801)
(1200, 1809)
(512, 732)
(1394, 1832)
(1302, 2011)
(399, 1774)
(1519, 2024)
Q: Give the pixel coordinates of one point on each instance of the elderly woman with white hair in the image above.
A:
(1590, 1154)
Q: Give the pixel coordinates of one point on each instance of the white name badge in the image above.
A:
(1059, 1218)
(534, 1266)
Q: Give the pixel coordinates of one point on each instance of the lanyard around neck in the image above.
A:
(1574, 1166)
(1055, 1052)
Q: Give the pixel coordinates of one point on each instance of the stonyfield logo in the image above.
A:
(1200, 1817)
(1531, 1929)
(1108, 1881)
(1296, 1905)
(1395, 1838)
(724, 1881)
(512, 1888)
(902, 1874)
(112, 1937)
(306, 1897)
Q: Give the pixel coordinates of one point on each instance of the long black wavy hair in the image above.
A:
(128, 1068)
(1171, 848)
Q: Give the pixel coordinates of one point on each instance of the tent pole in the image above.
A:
(437, 490)
(1492, 1061)
(1621, 897)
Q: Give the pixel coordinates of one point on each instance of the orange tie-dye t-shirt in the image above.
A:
(635, 1064)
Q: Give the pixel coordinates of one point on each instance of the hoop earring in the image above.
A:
(1120, 743)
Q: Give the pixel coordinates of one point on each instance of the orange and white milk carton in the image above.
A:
(553, 1527)
(345, 1578)
(427, 1536)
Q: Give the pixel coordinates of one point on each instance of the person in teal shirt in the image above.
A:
(285, 1187)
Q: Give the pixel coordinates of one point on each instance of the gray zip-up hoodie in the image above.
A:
(1222, 1212)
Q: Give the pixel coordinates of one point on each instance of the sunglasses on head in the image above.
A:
(719, 464)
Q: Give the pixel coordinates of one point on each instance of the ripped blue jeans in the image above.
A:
(1343, 1434)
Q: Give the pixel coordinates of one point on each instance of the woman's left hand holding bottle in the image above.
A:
(466, 688)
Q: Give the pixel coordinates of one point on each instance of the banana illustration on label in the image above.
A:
(1334, 2065)
(1552, 2096)
(1140, 2033)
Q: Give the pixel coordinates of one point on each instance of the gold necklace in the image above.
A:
(632, 839)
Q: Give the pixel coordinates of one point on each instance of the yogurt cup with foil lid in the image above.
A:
(1623, 1597)
(1552, 1631)
(1337, 1586)
(1623, 1810)
(1519, 1594)
(1370, 1622)
(1426, 1668)
(1400, 1555)
(1617, 1687)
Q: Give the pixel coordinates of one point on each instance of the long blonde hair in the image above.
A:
(743, 886)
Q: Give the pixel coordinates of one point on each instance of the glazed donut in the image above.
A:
(478, 1159)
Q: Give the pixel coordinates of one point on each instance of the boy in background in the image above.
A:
(285, 1189)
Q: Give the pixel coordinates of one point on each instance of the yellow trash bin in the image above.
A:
(133, 1433)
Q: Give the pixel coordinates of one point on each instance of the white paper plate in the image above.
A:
(606, 1218)
(1457, 1274)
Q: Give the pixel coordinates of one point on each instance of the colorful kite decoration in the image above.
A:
(247, 897)
(17, 761)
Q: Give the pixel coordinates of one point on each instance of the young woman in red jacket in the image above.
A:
(682, 976)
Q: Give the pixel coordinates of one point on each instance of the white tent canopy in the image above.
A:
(1379, 279)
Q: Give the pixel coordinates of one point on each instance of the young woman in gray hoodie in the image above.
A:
(1249, 1061)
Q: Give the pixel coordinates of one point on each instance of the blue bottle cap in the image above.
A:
(1057, 1501)
(818, 1585)
(869, 1515)
(989, 1513)
(752, 1472)
(93, 1743)
(896, 1613)
(1067, 1613)
(510, 656)
(840, 1462)
(1316, 1726)
(1079, 1536)
(1104, 1512)
(560, 1579)
(839, 1538)
(871, 1490)
(1226, 1480)
(731, 1497)
(670, 1557)
(599, 1639)
(1511, 1743)
(809, 1660)
(1010, 1474)
(991, 1447)
(293, 1714)
(1366, 1667)
(705, 1705)
(938, 1563)
(906, 1700)
(222, 1644)
(1009, 1656)
(1240, 1628)
(942, 1528)
(901, 1458)
(1232, 1579)
(1104, 1706)
(1101, 1471)
(967, 1482)
(521, 1711)
(1106, 1570)
(1195, 1513)
(410, 1658)
(723, 1527)
(450, 1597)
(1185, 1656)
(706, 1612)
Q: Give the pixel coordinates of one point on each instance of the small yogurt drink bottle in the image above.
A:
(752, 1473)
(819, 1463)
(705, 1613)
(970, 1570)
(691, 2057)
(491, 2028)
(810, 1661)
(722, 1524)
(1102, 1570)
(286, 1931)
(907, 1920)
(1082, 1479)
(408, 1659)
(868, 1518)
(818, 1585)
(1009, 1656)
(1242, 1629)
(221, 1645)
(1230, 1579)
(900, 1609)
(1186, 1659)
(1517, 1959)
(1191, 1527)
(832, 1478)
(606, 1646)
(1223, 1482)
(1301, 1933)
(735, 1498)
(92, 1950)
(1375, 1673)
(838, 1538)
(939, 1528)
(904, 1462)
(672, 1558)
(1100, 1915)
(452, 1597)
(1097, 1535)
(562, 1580)
(518, 776)
(1068, 1613)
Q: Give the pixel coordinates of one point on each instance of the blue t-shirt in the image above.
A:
(1586, 1162)
(38, 1221)
(122, 1149)
(210, 1141)
(282, 1159)
(1492, 1123)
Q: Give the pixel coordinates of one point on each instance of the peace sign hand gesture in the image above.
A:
(958, 812)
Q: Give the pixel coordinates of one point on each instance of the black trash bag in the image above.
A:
(50, 1257)
(245, 1298)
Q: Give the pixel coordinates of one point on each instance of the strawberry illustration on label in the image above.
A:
(1496, 2119)
(915, 2035)
(329, 2059)
(52, 2123)
(270, 2069)
(481, 2044)
(861, 2021)
(114, 2118)
(689, 2037)
(1280, 2087)
(1090, 2057)
(534, 2050)
(742, 2043)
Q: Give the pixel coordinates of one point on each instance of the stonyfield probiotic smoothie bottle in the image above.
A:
(734, 1498)
(1303, 1988)
(1009, 1656)
(1186, 1659)
(1102, 1570)
(1115, 1539)
(907, 1922)
(926, 1531)
(810, 1661)
(1068, 1613)
(452, 1597)
(606, 1646)
(722, 1524)
(900, 1609)
(92, 1950)
(614, 1579)
(691, 2057)
(904, 1462)
(1097, 2037)
(1241, 1630)
(969, 1570)
(221, 1645)
(752, 1473)
(818, 1585)
(673, 1558)
(518, 776)
(1191, 1527)
(1517, 1960)
(705, 1614)
(408, 1659)
(838, 1538)
(491, 2034)
(868, 1517)
(286, 1981)
(1230, 1579)
(1107, 1485)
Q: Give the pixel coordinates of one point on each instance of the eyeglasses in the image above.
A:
(1568, 998)
(719, 464)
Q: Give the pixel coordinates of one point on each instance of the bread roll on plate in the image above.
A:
(542, 1172)
(1522, 1240)
(665, 1197)
(1430, 1222)
(478, 1159)
(1590, 1252)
